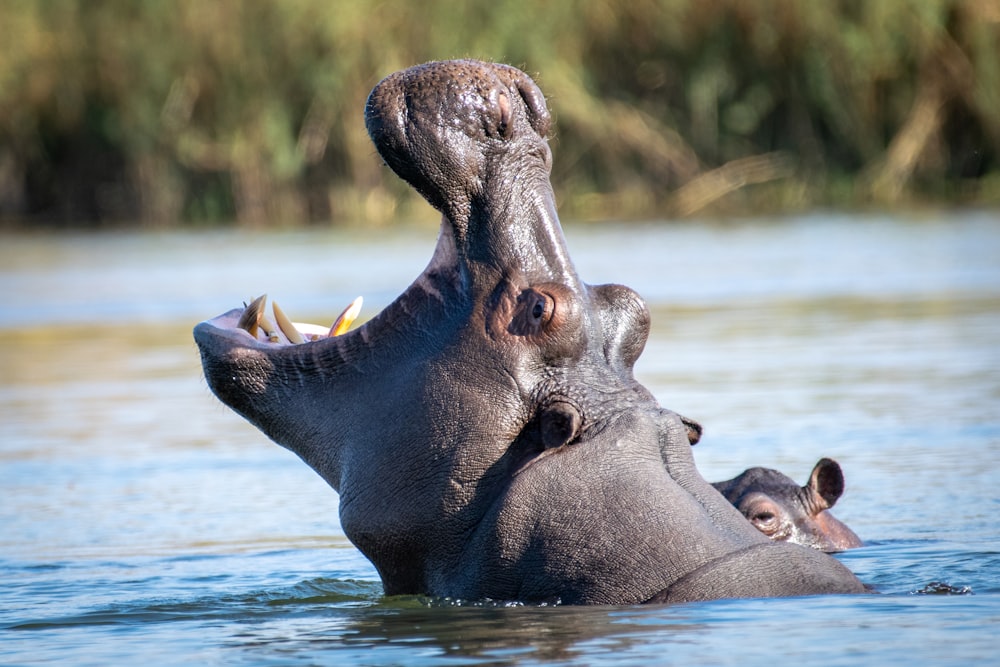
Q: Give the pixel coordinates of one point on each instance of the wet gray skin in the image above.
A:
(785, 511)
(484, 431)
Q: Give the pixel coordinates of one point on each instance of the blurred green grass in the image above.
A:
(250, 112)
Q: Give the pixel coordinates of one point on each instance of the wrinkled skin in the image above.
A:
(785, 511)
(484, 431)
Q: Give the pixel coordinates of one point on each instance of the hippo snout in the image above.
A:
(431, 124)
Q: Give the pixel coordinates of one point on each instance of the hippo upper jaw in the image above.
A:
(451, 129)
(471, 137)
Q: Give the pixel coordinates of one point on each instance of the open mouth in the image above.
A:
(283, 330)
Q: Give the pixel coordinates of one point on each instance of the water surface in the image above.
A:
(143, 521)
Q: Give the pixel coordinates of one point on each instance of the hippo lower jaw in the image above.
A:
(243, 339)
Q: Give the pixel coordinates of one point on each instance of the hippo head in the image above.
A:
(484, 431)
(785, 511)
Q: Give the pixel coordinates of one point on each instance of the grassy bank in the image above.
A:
(186, 111)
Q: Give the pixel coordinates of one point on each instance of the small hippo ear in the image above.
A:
(693, 430)
(826, 483)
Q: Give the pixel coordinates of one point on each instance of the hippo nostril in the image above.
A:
(538, 113)
(505, 127)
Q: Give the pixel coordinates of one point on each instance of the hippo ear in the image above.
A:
(826, 484)
(693, 430)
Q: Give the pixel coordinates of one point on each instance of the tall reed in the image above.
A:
(163, 112)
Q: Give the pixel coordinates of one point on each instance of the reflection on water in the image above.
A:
(143, 520)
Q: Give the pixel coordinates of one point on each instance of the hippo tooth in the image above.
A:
(250, 319)
(286, 325)
(347, 317)
(269, 329)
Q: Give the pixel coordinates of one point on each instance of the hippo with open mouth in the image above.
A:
(485, 432)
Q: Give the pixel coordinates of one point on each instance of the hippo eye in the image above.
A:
(542, 306)
(765, 521)
(533, 313)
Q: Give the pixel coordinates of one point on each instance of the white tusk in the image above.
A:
(286, 325)
(250, 319)
(347, 317)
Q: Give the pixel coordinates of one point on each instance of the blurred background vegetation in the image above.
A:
(191, 112)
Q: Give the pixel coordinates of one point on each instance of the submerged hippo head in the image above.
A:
(484, 431)
(785, 511)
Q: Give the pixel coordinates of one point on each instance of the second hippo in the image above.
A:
(786, 512)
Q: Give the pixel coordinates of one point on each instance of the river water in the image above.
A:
(143, 522)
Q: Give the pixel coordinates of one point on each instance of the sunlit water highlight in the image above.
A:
(144, 522)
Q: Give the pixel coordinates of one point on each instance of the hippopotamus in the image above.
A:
(785, 511)
(484, 431)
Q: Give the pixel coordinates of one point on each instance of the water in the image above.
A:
(143, 521)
